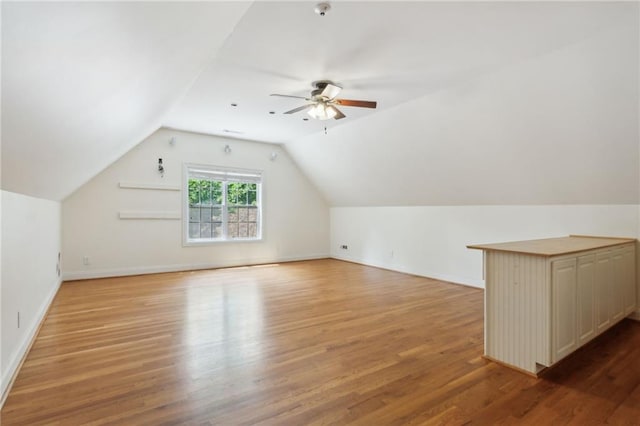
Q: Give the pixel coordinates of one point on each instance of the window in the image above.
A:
(222, 204)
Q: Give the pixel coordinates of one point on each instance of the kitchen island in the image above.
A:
(546, 298)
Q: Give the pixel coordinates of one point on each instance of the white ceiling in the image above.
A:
(390, 52)
(82, 83)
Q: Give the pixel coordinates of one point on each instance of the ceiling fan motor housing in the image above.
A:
(320, 85)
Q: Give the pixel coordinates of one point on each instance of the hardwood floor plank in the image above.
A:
(315, 342)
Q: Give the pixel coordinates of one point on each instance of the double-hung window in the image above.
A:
(222, 204)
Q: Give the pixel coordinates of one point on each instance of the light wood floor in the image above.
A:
(324, 342)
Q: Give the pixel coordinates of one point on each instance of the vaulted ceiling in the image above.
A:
(82, 83)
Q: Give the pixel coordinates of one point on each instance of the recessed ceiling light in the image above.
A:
(234, 104)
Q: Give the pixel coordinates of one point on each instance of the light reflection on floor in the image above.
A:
(224, 326)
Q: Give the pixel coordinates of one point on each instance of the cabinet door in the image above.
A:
(563, 282)
(603, 291)
(629, 265)
(586, 321)
(618, 283)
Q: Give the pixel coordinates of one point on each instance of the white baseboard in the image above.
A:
(18, 355)
(434, 275)
(156, 269)
(470, 282)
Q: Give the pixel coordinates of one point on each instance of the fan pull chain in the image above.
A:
(325, 130)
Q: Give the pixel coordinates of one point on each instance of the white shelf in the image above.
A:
(152, 186)
(152, 215)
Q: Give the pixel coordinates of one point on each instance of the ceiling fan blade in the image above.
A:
(354, 103)
(290, 96)
(303, 107)
(339, 115)
(330, 91)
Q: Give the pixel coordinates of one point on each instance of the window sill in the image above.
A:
(199, 243)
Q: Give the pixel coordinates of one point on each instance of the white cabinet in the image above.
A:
(586, 300)
(590, 293)
(603, 290)
(564, 296)
(546, 298)
(629, 285)
(618, 280)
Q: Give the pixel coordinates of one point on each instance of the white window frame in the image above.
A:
(225, 174)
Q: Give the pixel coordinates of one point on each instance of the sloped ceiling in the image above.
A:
(388, 51)
(558, 128)
(83, 83)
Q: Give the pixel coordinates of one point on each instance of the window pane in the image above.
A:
(205, 214)
(217, 230)
(232, 192)
(242, 194)
(253, 230)
(216, 214)
(232, 215)
(216, 190)
(205, 192)
(194, 230)
(242, 230)
(194, 214)
(205, 230)
(252, 198)
(242, 214)
(253, 214)
(233, 230)
(194, 192)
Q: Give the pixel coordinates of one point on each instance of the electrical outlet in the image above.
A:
(344, 247)
(85, 260)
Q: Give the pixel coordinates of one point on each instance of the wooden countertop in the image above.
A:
(554, 246)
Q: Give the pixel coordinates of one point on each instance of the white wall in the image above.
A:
(30, 247)
(431, 241)
(295, 224)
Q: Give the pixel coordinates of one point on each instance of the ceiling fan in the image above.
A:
(324, 100)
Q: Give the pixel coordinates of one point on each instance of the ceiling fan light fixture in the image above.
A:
(316, 112)
(331, 111)
(313, 113)
(322, 112)
(324, 102)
